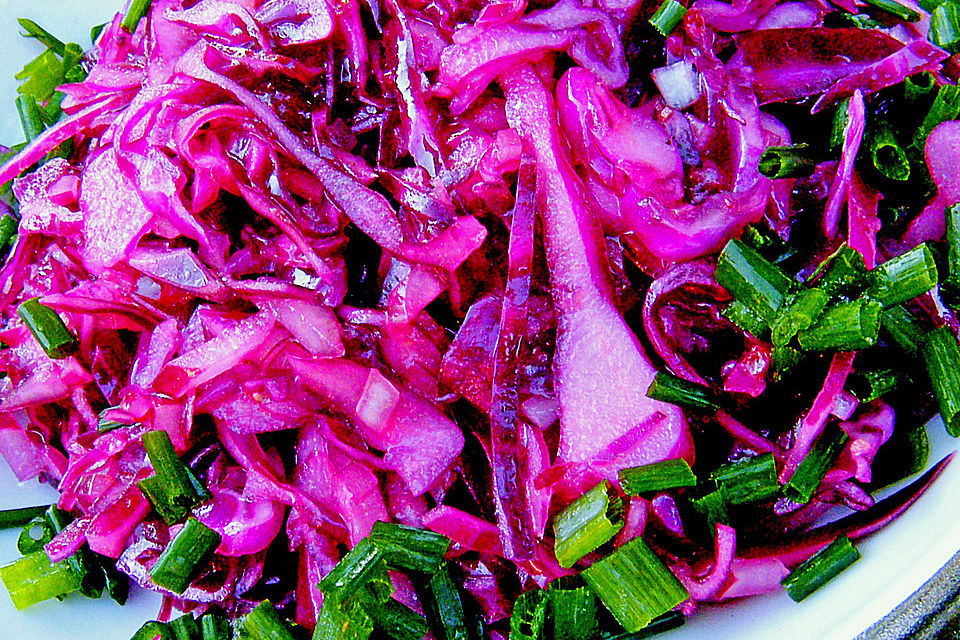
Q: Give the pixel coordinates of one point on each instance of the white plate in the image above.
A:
(896, 561)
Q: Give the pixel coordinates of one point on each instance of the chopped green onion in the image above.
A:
(574, 613)
(821, 568)
(214, 626)
(870, 384)
(10, 518)
(844, 273)
(838, 19)
(738, 313)
(33, 30)
(787, 162)
(941, 354)
(783, 360)
(812, 469)
(893, 7)
(951, 283)
(31, 117)
(903, 455)
(447, 607)
(395, 619)
(529, 617)
(83, 561)
(409, 548)
(355, 570)
(657, 476)
(8, 234)
(747, 481)
(95, 32)
(589, 521)
(945, 27)
(174, 490)
(47, 327)
(904, 277)
(712, 508)
(667, 387)
(33, 578)
(634, 585)
(118, 583)
(661, 624)
(797, 313)
(752, 279)
(668, 17)
(35, 535)
(846, 327)
(342, 622)
(138, 10)
(946, 106)
(262, 623)
(183, 558)
(919, 85)
(839, 125)
(904, 329)
(888, 157)
(154, 630)
(185, 628)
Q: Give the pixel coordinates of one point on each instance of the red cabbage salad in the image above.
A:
(457, 320)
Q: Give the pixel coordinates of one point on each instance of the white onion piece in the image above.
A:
(679, 84)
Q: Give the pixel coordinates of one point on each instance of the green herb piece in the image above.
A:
(84, 563)
(846, 326)
(447, 607)
(793, 161)
(904, 277)
(895, 8)
(869, 384)
(8, 234)
(359, 567)
(33, 30)
(214, 626)
(667, 387)
(154, 630)
(342, 622)
(919, 85)
(738, 313)
(588, 522)
(821, 568)
(48, 329)
(906, 453)
(941, 354)
(409, 548)
(393, 618)
(945, 27)
(950, 285)
(185, 628)
(657, 476)
(33, 578)
(753, 280)
(839, 125)
(174, 490)
(184, 557)
(31, 117)
(812, 469)
(10, 518)
(634, 585)
(888, 157)
(574, 613)
(137, 11)
(529, 617)
(904, 329)
(747, 481)
(946, 106)
(843, 273)
(798, 312)
(668, 16)
(262, 623)
(712, 508)
(661, 624)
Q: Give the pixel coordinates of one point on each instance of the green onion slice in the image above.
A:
(747, 481)
(667, 387)
(588, 522)
(821, 568)
(184, 557)
(941, 354)
(657, 476)
(47, 327)
(812, 469)
(668, 16)
(409, 548)
(846, 327)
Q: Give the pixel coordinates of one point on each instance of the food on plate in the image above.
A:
(462, 319)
